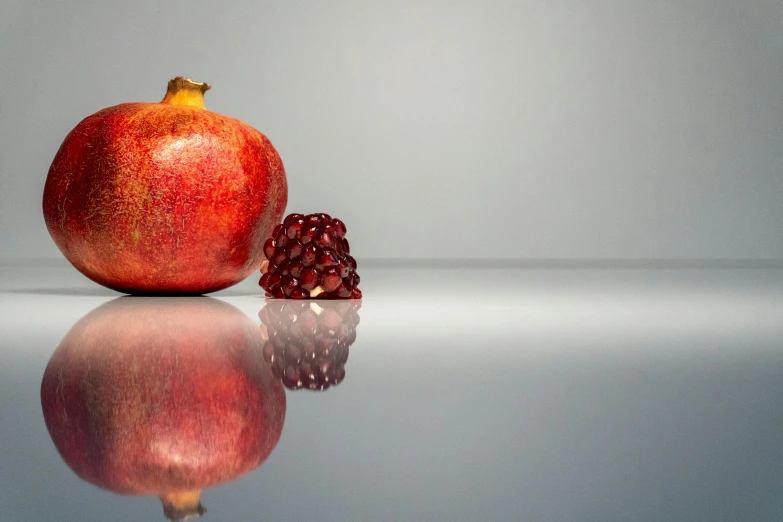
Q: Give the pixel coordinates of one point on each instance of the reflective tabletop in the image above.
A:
(450, 392)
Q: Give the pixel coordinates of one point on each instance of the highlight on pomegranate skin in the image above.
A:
(309, 257)
(306, 342)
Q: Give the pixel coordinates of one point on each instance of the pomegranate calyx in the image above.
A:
(180, 505)
(184, 92)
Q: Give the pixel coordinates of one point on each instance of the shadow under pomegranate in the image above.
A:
(162, 397)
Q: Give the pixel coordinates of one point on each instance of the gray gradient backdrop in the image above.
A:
(503, 129)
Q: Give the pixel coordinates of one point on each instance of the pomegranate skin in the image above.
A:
(164, 198)
(147, 396)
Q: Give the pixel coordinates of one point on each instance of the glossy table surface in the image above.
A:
(470, 393)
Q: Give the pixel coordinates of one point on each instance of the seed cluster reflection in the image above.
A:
(307, 342)
(165, 397)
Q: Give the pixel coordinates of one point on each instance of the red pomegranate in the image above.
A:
(162, 397)
(164, 197)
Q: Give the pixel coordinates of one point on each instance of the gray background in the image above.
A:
(495, 129)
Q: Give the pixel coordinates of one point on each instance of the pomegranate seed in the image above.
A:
(324, 241)
(294, 229)
(281, 240)
(344, 269)
(325, 259)
(331, 280)
(300, 249)
(309, 279)
(274, 280)
(309, 233)
(295, 249)
(309, 254)
(339, 227)
(291, 218)
(295, 269)
(280, 256)
(269, 248)
(289, 285)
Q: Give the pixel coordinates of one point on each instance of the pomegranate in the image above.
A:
(163, 397)
(309, 257)
(164, 197)
(307, 342)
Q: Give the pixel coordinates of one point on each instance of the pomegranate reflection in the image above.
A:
(307, 341)
(162, 397)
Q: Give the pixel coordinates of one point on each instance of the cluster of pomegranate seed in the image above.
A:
(307, 257)
(307, 342)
